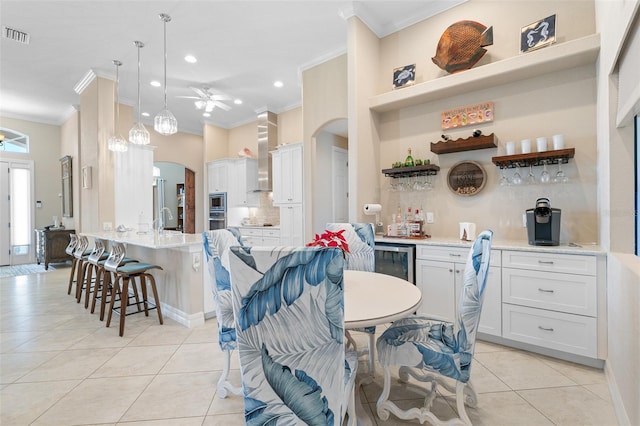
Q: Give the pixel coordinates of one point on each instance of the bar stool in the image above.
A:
(73, 242)
(80, 251)
(89, 265)
(102, 284)
(123, 274)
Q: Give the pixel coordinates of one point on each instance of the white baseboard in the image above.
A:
(181, 317)
(616, 397)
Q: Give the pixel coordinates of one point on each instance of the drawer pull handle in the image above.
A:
(545, 262)
(545, 291)
(454, 255)
(545, 328)
(450, 270)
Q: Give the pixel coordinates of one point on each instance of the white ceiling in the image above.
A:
(242, 47)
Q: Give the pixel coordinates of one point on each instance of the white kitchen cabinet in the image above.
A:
(551, 300)
(291, 225)
(287, 174)
(439, 275)
(218, 176)
(243, 183)
(260, 236)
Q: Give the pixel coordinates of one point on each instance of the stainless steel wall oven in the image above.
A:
(217, 210)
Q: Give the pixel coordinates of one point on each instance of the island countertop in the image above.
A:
(166, 240)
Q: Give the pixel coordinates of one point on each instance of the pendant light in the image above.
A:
(138, 133)
(116, 142)
(165, 123)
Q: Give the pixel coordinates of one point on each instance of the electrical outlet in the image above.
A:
(429, 217)
(107, 227)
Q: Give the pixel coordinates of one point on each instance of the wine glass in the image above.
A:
(531, 178)
(545, 177)
(517, 179)
(560, 176)
(504, 180)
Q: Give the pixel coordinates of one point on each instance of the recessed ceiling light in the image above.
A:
(278, 83)
(155, 83)
(146, 114)
(206, 114)
(238, 102)
(191, 59)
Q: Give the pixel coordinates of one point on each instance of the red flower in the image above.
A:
(330, 239)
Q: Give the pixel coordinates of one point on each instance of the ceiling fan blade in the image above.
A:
(222, 106)
(220, 97)
(188, 97)
(200, 92)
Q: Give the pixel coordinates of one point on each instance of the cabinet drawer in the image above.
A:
(271, 233)
(554, 330)
(576, 294)
(552, 262)
(451, 254)
(253, 232)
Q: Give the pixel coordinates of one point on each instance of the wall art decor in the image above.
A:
(538, 34)
(404, 76)
(466, 178)
(467, 115)
(462, 45)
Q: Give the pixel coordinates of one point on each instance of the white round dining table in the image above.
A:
(372, 298)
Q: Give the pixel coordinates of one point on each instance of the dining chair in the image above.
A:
(288, 305)
(360, 238)
(431, 350)
(216, 248)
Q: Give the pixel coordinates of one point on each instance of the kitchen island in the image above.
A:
(180, 282)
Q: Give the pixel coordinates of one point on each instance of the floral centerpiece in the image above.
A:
(331, 239)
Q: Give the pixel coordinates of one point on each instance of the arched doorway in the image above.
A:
(330, 180)
(174, 190)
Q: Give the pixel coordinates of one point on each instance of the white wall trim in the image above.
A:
(616, 397)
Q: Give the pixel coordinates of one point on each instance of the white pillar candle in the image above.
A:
(558, 142)
(510, 148)
(541, 144)
(526, 146)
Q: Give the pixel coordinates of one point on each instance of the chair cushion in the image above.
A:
(136, 268)
(426, 343)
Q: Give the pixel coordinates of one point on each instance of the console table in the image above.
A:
(51, 245)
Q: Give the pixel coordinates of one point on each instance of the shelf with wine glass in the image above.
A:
(423, 170)
(559, 156)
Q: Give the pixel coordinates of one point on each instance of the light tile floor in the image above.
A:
(59, 365)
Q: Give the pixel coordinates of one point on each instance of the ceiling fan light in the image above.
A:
(200, 104)
(139, 134)
(165, 123)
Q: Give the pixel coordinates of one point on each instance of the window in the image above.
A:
(20, 210)
(13, 141)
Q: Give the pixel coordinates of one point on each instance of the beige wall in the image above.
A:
(241, 137)
(562, 102)
(215, 140)
(290, 126)
(324, 89)
(615, 204)
(44, 151)
(69, 144)
(417, 44)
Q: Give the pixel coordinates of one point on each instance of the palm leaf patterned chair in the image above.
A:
(288, 305)
(361, 257)
(422, 346)
(216, 247)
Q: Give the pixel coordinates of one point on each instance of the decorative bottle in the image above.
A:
(409, 160)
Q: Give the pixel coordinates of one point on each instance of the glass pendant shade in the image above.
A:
(116, 142)
(138, 133)
(165, 123)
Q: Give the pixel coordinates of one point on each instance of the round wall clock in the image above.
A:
(466, 178)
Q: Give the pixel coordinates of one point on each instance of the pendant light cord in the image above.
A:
(116, 131)
(165, 18)
(139, 44)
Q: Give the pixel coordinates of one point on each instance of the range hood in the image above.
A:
(267, 141)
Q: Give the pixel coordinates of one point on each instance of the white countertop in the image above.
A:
(563, 248)
(168, 239)
(257, 227)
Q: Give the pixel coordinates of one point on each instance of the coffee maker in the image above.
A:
(543, 224)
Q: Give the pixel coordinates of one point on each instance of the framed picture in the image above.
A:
(467, 115)
(404, 76)
(538, 34)
(67, 192)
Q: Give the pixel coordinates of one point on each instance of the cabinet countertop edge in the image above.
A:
(583, 249)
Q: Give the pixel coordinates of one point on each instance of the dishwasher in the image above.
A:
(396, 259)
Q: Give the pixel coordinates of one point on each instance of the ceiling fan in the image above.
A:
(207, 99)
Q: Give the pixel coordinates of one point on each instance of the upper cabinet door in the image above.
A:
(287, 174)
(218, 172)
(243, 182)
